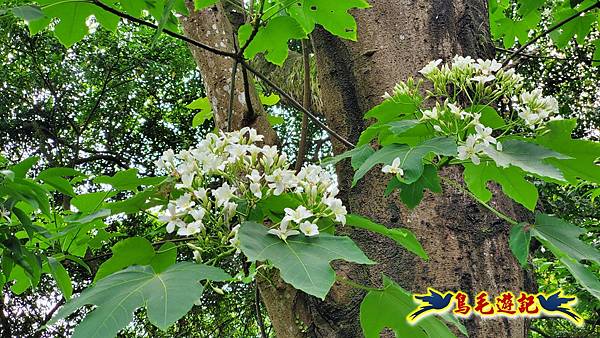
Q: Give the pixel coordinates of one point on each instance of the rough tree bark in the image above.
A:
(468, 246)
(212, 27)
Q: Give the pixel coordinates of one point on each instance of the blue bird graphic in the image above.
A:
(554, 303)
(436, 301)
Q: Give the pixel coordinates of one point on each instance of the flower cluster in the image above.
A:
(534, 108)
(464, 92)
(221, 180)
(485, 78)
(478, 85)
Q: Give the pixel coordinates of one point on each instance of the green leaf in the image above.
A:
(303, 261)
(389, 307)
(167, 295)
(565, 237)
(72, 16)
(511, 179)
(272, 39)
(412, 194)
(390, 110)
(131, 251)
(527, 156)
(489, 116)
(579, 27)
(201, 4)
(596, 55)
(90, 202)
(165, 257)
(275, 120)
(403, 237)
(83, 218)
(20, 169)
(519, 242)
(411, 158)
(583, 153)
(206, 112)
(334, 16)
(26, 222)
(28, 13)
(61, 276)
(399, 127)
(528, 6)
(128, 180)
(270, 100)
(358, 155)
(585, 277)
(58, 172)
(164, 19)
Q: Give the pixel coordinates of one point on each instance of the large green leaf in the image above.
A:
(584, 153)
(167, 295)
(131, 251)
(61, 276)
(527, 156)
(411, 158)
(333, 15)
(164, 257)
(272, 39)
(519, 242)
(72, 17)
(128, 180)
(358, 156)
(511, 179)
(403, 237)
(90, 202)
(389, 307)
(205, 112)
(412, 194)
(565, 237)
(561, 238)
(585, 277)
(303, 261)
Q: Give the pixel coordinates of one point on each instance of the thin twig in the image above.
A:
(234, 56)
(166, 31)
(303, 144)
(297, 105)
(550, 30)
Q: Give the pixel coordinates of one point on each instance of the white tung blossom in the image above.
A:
(430, 67)
(393, 168)
(470, 150)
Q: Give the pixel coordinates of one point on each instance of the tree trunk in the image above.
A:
(212, 27)
(467, 245)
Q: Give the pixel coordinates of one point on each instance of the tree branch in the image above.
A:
(166, 31)
(550, 30)
(234, 56)
(297, 105)
(303, 145)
